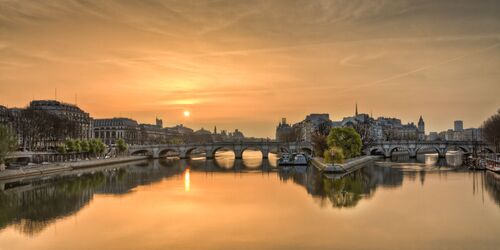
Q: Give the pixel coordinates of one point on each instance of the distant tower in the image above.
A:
(159, 122)
(215, 130)
(459, 126)
(283, 121)
(421, 129)
(356, 109)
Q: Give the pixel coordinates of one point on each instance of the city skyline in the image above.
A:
(238, 65)
(186, 114)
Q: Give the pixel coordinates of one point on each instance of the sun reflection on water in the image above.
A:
(187, 182)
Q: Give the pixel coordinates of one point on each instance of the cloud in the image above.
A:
(280, 58)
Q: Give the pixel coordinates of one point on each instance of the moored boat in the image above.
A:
(292, 160)
(493, 165)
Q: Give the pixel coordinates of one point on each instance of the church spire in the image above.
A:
(356, 108)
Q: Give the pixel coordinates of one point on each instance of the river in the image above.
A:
(249, 204)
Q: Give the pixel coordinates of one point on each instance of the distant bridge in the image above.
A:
(413, 148)
(185, 150)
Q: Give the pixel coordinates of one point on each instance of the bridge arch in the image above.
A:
(146, 152)
(216, 149)
(422, 148)
(488, 150)
(261, 150)
(164, 152)
(307, 150)
(456, 147)
(187, 153)
(397, 148)
(377, 151)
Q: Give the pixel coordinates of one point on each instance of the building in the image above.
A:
(387, 129)
(4, 115)
(421, 129)
(201, 136)
(407, 132)
(152, 134)
(311, 124)
(458, 126)
(433, 136)
(236, 135)
(177, 134)
(110, 130)
(159, 122)
(67, 111)
(285, 132)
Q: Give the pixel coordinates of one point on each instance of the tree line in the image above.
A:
(40, 129)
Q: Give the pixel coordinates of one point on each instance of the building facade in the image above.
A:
(67, 111)
(458, 125)
(284, 132)
(110, 130)
(152, 134)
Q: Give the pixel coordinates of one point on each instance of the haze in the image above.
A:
(246, 64)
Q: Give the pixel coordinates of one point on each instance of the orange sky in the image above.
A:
(246, 64)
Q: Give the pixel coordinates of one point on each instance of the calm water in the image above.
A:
(228, 204)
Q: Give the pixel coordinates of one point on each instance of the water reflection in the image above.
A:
(346, 191)
(187, 180)
(30, 206)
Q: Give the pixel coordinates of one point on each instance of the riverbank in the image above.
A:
(344, 168)
(56, 168)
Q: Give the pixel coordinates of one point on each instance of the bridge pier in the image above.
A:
(238, 154)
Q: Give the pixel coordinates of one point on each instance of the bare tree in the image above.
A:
(491, 130)
(364, 129)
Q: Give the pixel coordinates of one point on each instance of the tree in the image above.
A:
(334, 155)
(318, 138)
(121, 146)
(85, 146)
(319, 144)
(61, 149)
(364, 129)
(96, 147)
(390, 134)
(78, 146)
(7, 143)
(100, 147)
(346, 139)
(491, 130)
(70, 145)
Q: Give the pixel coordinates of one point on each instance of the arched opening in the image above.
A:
(224, 157)
(196, 153)
(456, 148)
(426, 150)
(143, 152)
(169, 153)
(252, 157)
(377, 151)
(306, 151)
(399, 154)
(488, 150)
(283, 150)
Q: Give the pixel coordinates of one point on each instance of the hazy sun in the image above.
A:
(187, 113)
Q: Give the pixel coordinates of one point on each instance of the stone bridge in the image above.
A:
(415, 147)
(184, 150)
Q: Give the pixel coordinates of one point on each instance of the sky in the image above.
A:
(246, 64)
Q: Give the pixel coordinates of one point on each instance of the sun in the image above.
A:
(187, 113)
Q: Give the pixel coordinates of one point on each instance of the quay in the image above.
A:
(61, 167)
(339, 170)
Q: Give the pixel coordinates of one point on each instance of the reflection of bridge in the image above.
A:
(415, 147)
(184, 150)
